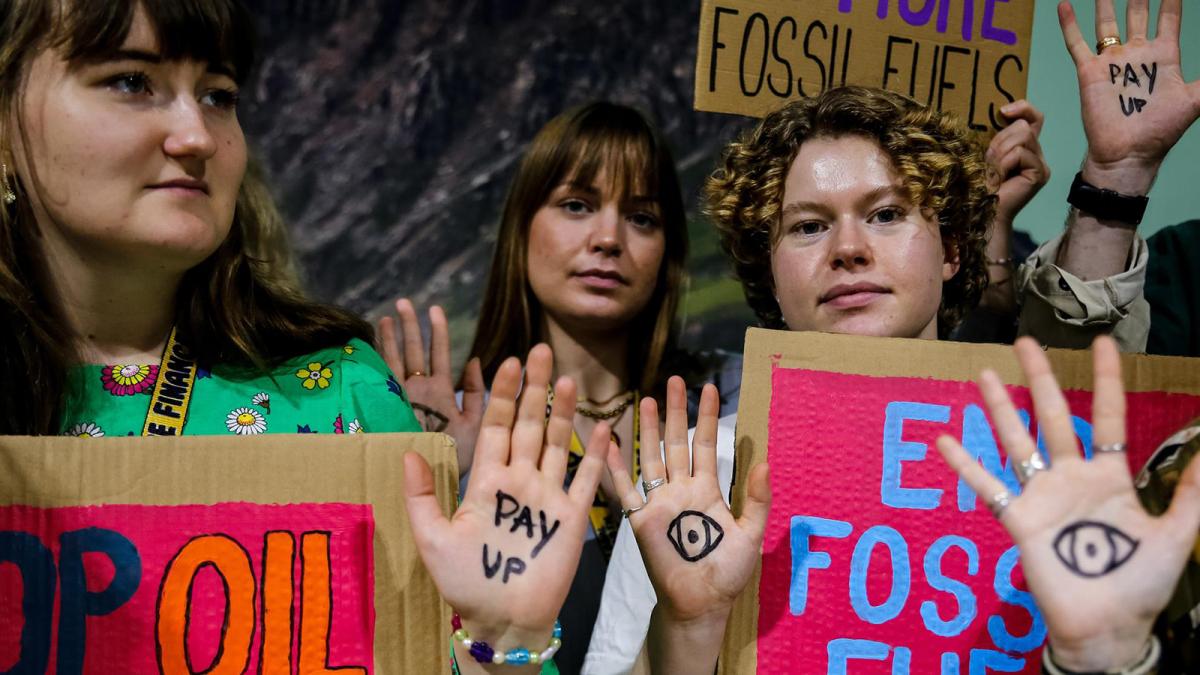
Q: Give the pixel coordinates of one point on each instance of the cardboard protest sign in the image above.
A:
(267, 554)
(966, 56)
(877, 558)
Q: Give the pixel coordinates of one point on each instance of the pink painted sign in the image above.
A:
(877, 559)
(224, 588)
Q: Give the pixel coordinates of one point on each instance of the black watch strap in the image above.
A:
(1106, 204)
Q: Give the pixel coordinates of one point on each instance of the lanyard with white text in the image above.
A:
(172, 390)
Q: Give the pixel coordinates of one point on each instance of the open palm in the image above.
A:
(1100, 567)
(507, 557)
(698, 555)
(1134, 100)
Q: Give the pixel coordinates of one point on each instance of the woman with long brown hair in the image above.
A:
(589, 259)
(145, 281)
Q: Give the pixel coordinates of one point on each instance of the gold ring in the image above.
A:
(414, 373)
(1107, 42)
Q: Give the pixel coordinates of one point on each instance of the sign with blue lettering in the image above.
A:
(877, 558)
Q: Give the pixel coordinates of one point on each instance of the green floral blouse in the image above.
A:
(341, 390)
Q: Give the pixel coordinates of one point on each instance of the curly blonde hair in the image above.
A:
(940, 162)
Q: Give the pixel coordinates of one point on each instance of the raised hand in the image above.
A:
(430, 388)
(1016, 160)
(1135, 103)
(698, 555)
(1100, 567)
(506, 559)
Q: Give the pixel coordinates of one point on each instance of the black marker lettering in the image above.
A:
(1114, 71)
(717, 45)
(762, 70)
(779, 58)
(1131, 76)
(490, 570)
(501, 514)
(813, 57)
(526, 519)
(513, 566)
(546, 534)
(1151, 74)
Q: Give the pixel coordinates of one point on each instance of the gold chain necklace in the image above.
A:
(600, 415)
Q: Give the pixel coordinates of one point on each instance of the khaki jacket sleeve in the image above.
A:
(1061, 310)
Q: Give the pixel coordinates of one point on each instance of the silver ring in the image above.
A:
(1027, 468)
(999, 502)
(648, 485)
(633, 510)
(1111, 447)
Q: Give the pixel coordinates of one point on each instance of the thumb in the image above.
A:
(424, 513)
(1184, 514)
(473, 388)
(758, 501)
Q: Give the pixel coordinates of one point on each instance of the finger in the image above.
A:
(1011, 431)
(758, 502)
(651, 448)
(1028, 163)
(1077, 47)
(1170, 17)
(472, 387)
(983, 483)
(704, 442)
(587, 476)
(626, 492)
(530, 428)
(424, 513)
(1049, 404)
(1108, 399)
(495, 432)
(414, 346)
(1137, 14)
(1106, 20)
(390, 347)
(439, 337)
(1183, 516)
(559, 430)
(1015, 135)
(1024, 110)
(678, 457)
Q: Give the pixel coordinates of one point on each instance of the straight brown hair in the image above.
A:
(242, 306)
(577, 146)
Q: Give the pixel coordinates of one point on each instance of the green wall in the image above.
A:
(1053, 89)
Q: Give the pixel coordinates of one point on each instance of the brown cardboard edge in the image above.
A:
(138, 470)
(890, 357)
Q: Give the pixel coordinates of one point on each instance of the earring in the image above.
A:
(9, 197)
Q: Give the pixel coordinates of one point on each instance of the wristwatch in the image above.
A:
(1106, 204)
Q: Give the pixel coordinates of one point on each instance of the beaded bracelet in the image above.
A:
(482, 652)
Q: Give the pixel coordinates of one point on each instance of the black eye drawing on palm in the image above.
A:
(694, 535)
(1092, 549)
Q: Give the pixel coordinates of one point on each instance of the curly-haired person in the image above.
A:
(858, 211)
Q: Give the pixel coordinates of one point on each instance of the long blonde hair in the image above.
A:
(240, 306)
(578, 145)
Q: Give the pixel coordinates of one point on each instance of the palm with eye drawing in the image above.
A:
(698, 555)
(1158, 105)
(1100, 567)
(506, 558)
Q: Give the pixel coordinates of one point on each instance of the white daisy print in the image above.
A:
(245, 422)
(85, 430)
(263, 400)
(355, 427)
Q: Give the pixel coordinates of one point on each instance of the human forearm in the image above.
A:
(685, 646)
(1097, 246)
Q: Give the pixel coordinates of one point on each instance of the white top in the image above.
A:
(628, 598)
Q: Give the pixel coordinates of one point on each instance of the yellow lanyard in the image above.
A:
(606, 532)
(172, 391)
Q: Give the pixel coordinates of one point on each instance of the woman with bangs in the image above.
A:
(590, 260)
(146, 286)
